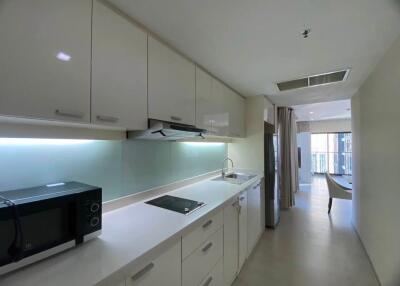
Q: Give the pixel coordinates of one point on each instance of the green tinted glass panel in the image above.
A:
(120, 167)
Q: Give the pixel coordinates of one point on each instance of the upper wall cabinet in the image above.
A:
(45, 59)
(211, 110)
(171, 85)
(237, 120)
(119, 70)
(218, 109)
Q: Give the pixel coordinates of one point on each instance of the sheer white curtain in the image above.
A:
(288, 160)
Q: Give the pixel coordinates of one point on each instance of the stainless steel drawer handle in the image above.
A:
(207, 247)
(107, 118)
(176, 118)
(68, 113)
(208, 281)
(207, 224)
(146, 269)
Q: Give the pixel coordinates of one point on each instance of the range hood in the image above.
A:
(169, 131)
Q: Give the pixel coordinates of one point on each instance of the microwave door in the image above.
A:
(43, 225)
(7, 237)
(48, 224)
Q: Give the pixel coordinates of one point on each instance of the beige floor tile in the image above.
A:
(310, 247)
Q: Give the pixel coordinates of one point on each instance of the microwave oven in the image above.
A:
(38, 222)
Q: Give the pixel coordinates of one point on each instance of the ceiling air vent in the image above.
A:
(314, 80)
(293, 84)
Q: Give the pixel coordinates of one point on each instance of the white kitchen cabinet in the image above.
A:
(254, 227)
(212, 113)
(119, 70)
(171, 84)
(215, 277)
(207, 226)
(45, 59)
(231, 241)
(116, 283)
(242, 229)
(164, 270)
(237, 120)
(201, 262)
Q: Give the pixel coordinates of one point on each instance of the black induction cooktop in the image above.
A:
(180, 205)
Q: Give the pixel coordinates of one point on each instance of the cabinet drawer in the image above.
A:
(196, 266)
(208, 226)
(215, 277)
(164, 270)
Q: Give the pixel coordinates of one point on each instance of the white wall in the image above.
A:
(304, 142)
(269, 112)
(376, 166)
(338, 125)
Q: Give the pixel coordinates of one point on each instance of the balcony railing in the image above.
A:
(332, 162)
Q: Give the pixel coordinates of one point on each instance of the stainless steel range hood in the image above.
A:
(162, 130)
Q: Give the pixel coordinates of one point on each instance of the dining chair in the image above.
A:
(336, 191)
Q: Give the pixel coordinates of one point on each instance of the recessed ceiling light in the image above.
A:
(63, 57)
(311, 112)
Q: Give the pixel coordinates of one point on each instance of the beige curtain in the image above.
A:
(287, 161)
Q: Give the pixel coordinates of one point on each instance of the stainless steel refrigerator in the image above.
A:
(272, 194)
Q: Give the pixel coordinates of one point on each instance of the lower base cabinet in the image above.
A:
(164, 270)
(242, 229)
(215, 277)
(254, 227)
(201, 262)
(213, 253)
(231, 241)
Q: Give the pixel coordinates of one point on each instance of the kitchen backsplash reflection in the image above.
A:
(119, 167)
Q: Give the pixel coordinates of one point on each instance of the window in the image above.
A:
(331, 152)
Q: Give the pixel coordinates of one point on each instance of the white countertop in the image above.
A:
(130, 235)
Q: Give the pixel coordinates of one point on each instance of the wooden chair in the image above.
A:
(336, 191)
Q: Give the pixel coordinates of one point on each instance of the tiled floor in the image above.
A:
(310, 247)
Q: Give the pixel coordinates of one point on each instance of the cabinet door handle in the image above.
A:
(207, 247)
(143, 271)
(68, 113)
(107, 118)
(208, 281)
(242, 198)
(236, 202)
(176, 118)
(207, 224)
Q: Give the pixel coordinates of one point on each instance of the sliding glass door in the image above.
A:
(331, 152)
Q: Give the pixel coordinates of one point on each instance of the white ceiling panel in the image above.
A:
(340, 109)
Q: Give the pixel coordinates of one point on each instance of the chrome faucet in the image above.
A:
(223, 166)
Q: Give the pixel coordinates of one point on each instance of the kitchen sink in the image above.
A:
(235, 178)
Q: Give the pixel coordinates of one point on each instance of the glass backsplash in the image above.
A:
(120, 167)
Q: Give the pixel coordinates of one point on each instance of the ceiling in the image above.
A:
(340, 109)
(253, 44)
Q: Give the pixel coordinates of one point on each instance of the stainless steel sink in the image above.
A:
(235, 178)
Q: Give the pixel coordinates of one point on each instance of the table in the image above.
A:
(345, 183)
